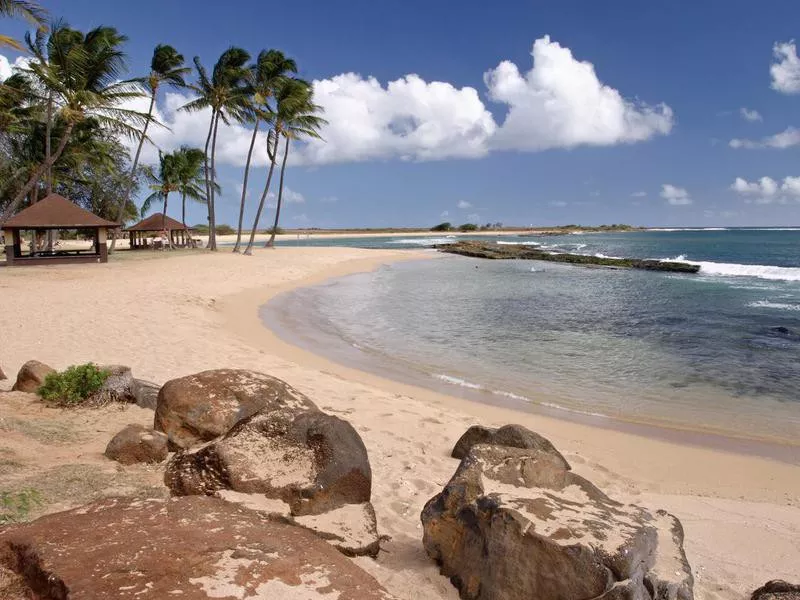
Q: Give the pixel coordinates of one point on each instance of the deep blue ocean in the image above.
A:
(717, 351)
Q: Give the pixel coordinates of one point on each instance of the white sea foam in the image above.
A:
(519, 243)
(572, 410)
(736, 270)
(689, 229)
(450, 239)
(601, 255)
(775, 305)
(457, 381)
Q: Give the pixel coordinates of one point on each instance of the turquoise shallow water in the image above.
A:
(717, 351)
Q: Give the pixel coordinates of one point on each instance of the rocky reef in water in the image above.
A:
(495, 251)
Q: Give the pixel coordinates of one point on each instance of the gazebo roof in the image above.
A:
(56, 212)
(157, 222)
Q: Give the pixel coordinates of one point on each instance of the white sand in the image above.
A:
(172, 315)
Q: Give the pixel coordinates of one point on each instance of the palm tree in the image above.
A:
(271, 68)
(82, 76)
(25, 9)
(226, 93)
(190, 176)
(293, 116)
(296, 118)
(161, 184)
(166, 67)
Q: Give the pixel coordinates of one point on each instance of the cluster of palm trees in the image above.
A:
(71, 96)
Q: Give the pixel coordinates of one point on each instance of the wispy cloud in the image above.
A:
(675, 196)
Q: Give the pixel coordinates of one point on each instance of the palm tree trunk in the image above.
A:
(249, 250)
(244, 188)
(127, 197)
(37, 175)
(164, 221)
(212, 228)
(47, 142)
(183, 208)
(207, 173)
(271, 241)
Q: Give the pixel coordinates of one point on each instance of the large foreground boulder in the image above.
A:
(31, 376)
(513, 436)
(137, 444)
(514, 523)
(312, 461)
(190, 548)
(199, 408)
(313, 464)
(777, 590)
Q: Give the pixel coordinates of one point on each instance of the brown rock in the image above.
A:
(190, 548)
(310, 460)
(137, 444)
(201, 407)
(31, 376)
(2, 375)
(777, 590)
(515, 523)
(512, 436)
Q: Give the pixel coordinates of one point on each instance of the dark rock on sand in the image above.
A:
(198, 408)
(512, 436)
(137, 444)
(190, 548)
(310, 460)
(777, 590)
(31, 376)
(515, 523)
(145, 393)
(300, 466)
(2, 375)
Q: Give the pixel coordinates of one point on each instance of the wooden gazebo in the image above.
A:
(178, 233)
(55, 212)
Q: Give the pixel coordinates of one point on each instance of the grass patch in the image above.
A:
(48, 432)
(17, 506)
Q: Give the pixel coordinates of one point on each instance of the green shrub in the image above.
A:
(225, 229)
(468, 227)
(16, 506)
(442, 227)
(74, 385)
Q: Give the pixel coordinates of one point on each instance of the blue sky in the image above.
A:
(659, 116)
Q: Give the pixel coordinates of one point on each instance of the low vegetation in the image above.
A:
(16, 506)
(73, 386)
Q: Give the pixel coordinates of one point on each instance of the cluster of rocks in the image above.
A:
(119, 386)
(266, 488)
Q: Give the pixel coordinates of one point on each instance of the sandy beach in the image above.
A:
(170, 314)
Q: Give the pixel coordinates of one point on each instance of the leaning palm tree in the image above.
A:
(31, 11)
(271, 68)
(190, 176)
(226, 93)
(82, 76)
(296, 119)
(294, 114)
(166, 67)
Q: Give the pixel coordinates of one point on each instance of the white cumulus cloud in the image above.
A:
(751, 115)
(786, 71)
(767, 190)
(676, 196)
(561, 103)
(785, 139)
(464, 205)
(7, 68)
(558, 103)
